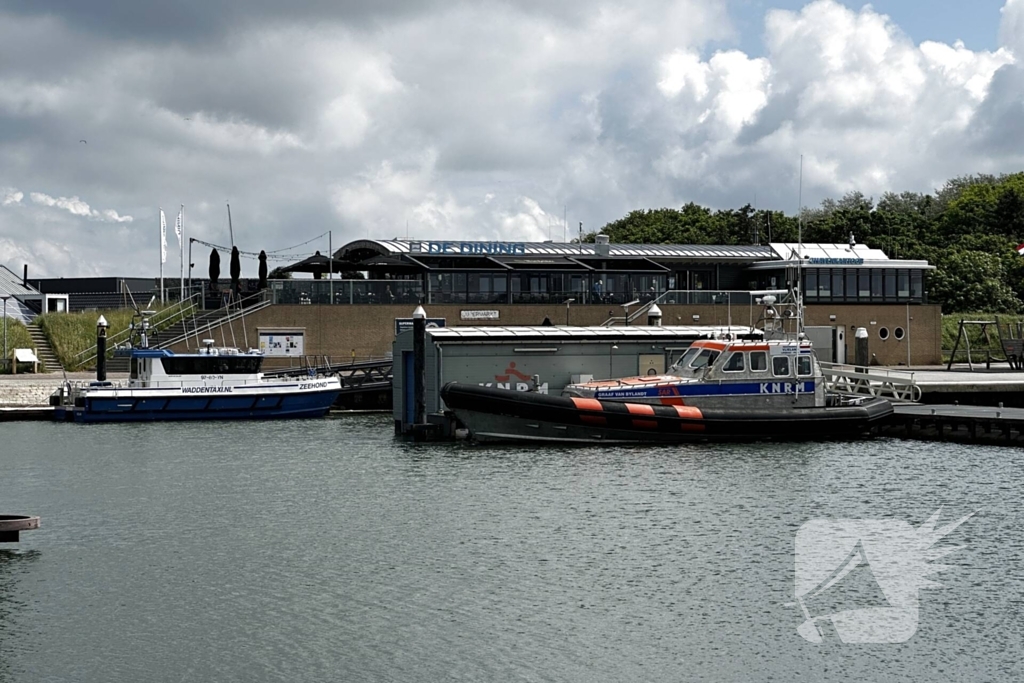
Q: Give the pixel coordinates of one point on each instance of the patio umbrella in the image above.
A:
(236, 270)
(214, 269)
(263, 269)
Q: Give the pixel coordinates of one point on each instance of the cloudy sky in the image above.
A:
(475, 120)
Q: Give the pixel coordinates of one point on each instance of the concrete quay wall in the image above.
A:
(34, 392)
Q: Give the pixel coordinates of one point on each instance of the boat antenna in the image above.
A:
(800, 250)
(231, 230)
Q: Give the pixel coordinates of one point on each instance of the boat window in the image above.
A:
(211, 365)
(780, 366)
(685, 359)
(758, 361)
(705, 358)
(803, 366)
(735, 363)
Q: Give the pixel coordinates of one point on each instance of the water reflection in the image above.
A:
(13, 563)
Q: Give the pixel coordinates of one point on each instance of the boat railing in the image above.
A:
(898, 386)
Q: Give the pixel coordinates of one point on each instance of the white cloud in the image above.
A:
(76, 207)
(11, 196)
(475, 121)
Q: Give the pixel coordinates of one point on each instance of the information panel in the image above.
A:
(281, 341)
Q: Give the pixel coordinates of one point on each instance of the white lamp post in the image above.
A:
(5, 297)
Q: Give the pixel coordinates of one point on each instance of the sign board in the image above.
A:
(478, 315)
(281, 341)
(823, 261)
(489, 248)
(405, 324)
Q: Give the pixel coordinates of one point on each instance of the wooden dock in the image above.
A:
(966, 424)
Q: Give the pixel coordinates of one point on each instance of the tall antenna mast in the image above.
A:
(231, 230)
(800, 249)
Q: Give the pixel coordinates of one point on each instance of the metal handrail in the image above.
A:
(219, 321)
(160, 318)
(899, 386)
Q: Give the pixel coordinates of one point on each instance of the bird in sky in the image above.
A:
(83, 142)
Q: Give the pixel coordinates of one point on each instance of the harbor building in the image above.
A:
(345, 306)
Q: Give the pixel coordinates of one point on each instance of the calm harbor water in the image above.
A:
(327, 550)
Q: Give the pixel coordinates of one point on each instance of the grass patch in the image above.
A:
(71, 334)
(17, 338)
(951, 326)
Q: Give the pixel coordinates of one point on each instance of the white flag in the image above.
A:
(177, 226)
(163, 237)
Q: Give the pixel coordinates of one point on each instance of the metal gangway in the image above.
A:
(898, 386)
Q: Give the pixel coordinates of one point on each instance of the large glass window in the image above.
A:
(758, 361)
(876, 283)
(903, 284)
(811, 280)
(803, 366)
(864, 286)
(890, 284)
(837, 283)
(824, 284)
(780, 366)
(851, 283)
(916, 285)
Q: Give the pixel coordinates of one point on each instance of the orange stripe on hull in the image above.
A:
(640, 409)
(672, 401)
(588, 404)
(690, 412)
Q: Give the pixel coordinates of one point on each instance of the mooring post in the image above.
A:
(419, 344)
(862, 355)
(654, 316)
(101, 349)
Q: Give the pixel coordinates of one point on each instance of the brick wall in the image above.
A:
(367, 331)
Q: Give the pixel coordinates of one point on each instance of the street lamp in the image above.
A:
(5, 297)
(567, 302)
(634, 302)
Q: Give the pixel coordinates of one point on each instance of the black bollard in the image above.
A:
(419, 336)
(101, 349)
(862, 356)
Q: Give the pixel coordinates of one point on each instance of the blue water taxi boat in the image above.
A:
(215, 383)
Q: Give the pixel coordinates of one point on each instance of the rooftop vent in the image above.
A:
(601, 245)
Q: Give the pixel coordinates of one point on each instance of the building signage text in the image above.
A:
(823, 261)
(490, 248)
(479, 315)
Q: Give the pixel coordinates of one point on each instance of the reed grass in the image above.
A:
(71, 334)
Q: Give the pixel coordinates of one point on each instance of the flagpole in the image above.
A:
(181, 252)
(162, 255)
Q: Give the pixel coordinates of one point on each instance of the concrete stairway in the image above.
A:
(44, 352)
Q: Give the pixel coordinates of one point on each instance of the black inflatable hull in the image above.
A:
(491, 414)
